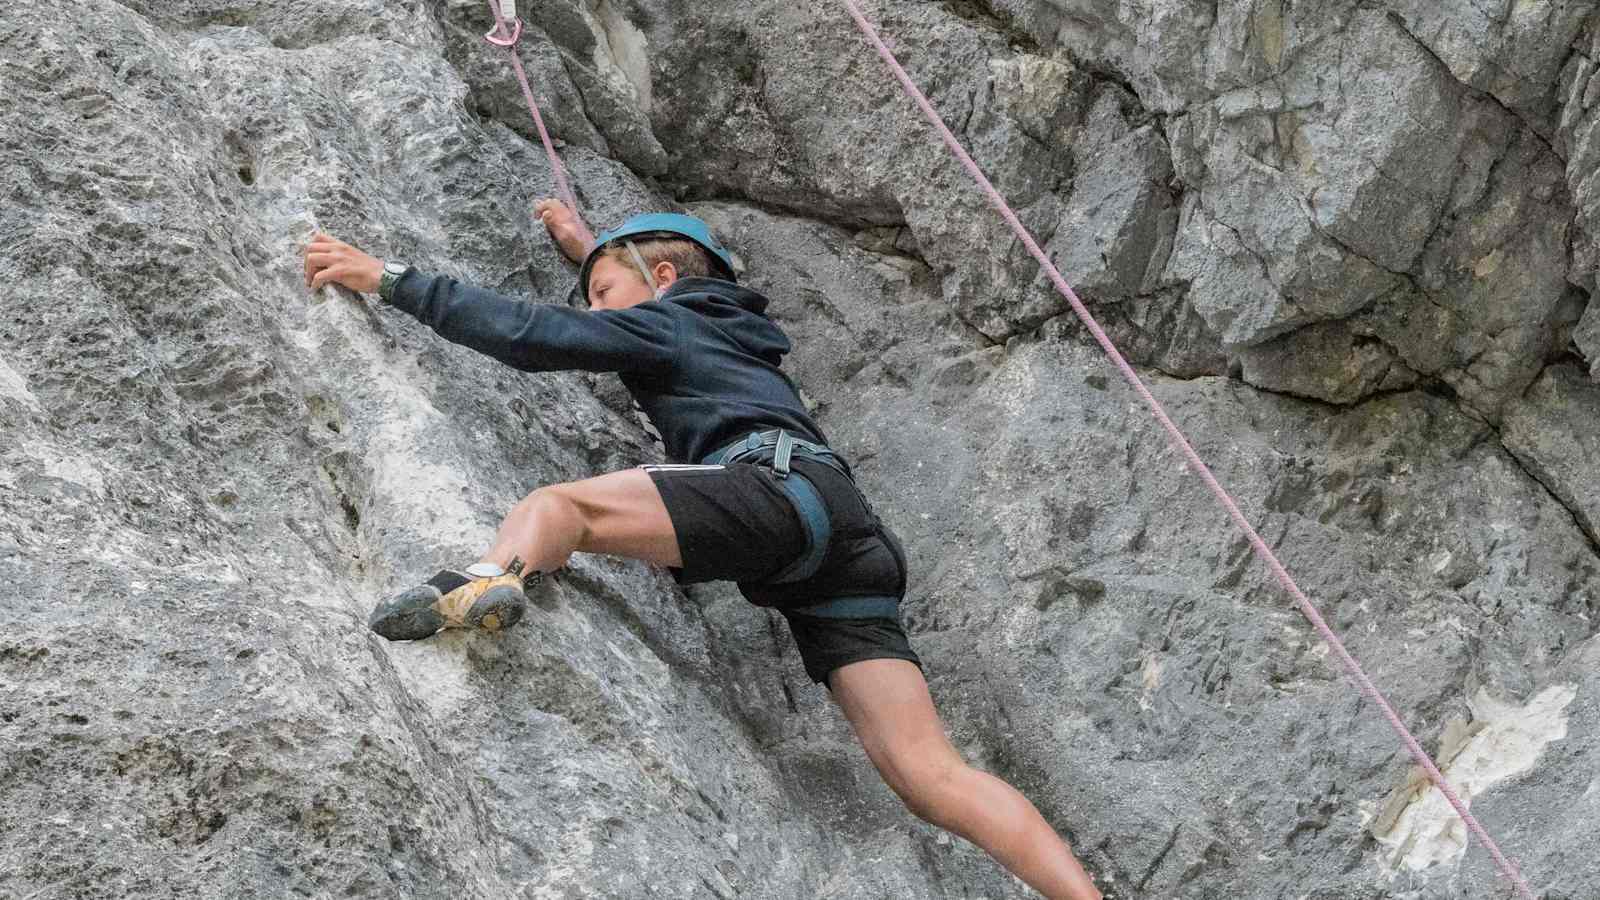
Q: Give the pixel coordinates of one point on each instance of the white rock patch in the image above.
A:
(12, 385)
(1417, 826)
(622, 51)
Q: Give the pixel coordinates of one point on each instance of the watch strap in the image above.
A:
(392, 273)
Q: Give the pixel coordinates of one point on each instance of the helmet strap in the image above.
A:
(638, 260)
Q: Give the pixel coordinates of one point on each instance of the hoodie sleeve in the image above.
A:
(541, 337)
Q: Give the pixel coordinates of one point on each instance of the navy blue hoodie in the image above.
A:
(702, 361)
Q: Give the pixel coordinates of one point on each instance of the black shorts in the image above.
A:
(738, 523)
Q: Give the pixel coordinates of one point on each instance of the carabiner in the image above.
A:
(516, 35)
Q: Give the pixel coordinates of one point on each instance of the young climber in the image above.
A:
(754, 495)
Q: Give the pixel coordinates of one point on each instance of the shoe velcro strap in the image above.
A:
(447, 581)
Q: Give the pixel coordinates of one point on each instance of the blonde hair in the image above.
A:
(686, 256)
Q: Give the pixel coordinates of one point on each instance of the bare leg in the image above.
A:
(620, 514)
(888, 705)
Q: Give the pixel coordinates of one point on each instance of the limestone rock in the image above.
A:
(1349, 245)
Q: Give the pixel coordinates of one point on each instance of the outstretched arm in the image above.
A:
(329, 259)
(534, 337)
(541, 337)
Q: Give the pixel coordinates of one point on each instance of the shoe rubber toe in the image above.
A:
(499, 608)
(408, 617)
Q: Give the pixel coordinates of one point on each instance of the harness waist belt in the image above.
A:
(784, 447)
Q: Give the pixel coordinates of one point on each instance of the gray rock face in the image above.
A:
(1578, 140)
(1365, 184)
(1351, 245)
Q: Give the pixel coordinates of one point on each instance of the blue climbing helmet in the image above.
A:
(653, 226)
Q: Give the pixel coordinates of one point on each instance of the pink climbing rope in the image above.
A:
(1310, 611)
(507, 35)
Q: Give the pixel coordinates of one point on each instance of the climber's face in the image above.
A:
(616, 285)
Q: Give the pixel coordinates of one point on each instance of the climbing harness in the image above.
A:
(1353, 668)
(507, 34)
(783, 446)
(802, 493)
(777, 450)
(805, 497)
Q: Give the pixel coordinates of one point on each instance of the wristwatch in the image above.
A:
(391, 277)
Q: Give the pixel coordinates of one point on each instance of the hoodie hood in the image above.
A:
(736, 311)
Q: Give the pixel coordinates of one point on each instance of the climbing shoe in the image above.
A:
(484, 596)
